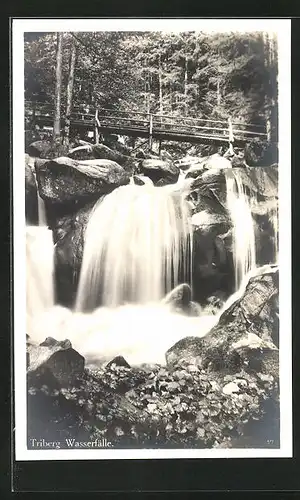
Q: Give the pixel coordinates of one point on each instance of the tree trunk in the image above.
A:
(56, 124)
(218, 94)
(160, 86)
(269, 44)
(148, 93)
(70, 93)
(185, 87)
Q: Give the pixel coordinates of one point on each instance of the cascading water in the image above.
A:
(243, 236)
(41, 212)
(240, 206)
(138, 246)
(39, 267)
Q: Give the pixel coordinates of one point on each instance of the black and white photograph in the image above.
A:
(152, 302)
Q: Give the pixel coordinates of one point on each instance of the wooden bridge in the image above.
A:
(147, 125)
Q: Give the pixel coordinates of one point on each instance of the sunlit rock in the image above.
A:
(229, 344)
(56, 360)
(159, 171)
(62, 179)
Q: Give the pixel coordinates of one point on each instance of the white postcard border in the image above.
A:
(282, 27)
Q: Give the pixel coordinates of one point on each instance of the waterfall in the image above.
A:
(138, 246)
(41, 211)
(243, 236)
(39, 264)
(39, 270)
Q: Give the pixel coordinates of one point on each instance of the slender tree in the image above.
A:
(160, 85)
(70, 86)
(58, 84)
(185, 86)
(269, 43)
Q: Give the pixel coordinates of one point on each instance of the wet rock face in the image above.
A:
(212, 263)
(213, 257)
(209, 191)
(68, 235)
(246, 335)
(179, 297)
(159, 171)
(180, 300)
(209, 188)
(63, 179)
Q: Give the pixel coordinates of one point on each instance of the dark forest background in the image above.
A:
(190, 73)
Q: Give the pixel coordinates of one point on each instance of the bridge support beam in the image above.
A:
(96, 129)
(230, 136)
(150, 131)
(96, 135)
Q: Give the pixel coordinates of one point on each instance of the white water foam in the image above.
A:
(138, 243)
(39, 270)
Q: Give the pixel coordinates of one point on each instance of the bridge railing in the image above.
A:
(158, 123)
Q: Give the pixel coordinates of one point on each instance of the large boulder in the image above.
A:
(82, 152)
(101, 151)
(39, 149)
(55, 360)
(214, 162)
(47, 149)
(62, 179)
(246, 335)
(159, 171)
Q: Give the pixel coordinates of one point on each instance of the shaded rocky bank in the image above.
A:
(218, 391)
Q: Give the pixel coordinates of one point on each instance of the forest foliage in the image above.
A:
(197, 74)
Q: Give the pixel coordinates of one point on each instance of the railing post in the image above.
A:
(33, 114)
(150, 131)
(96, 131)
(268, 130)
(230, 136)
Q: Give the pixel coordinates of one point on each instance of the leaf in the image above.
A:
(200, 433)
(173, 386)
